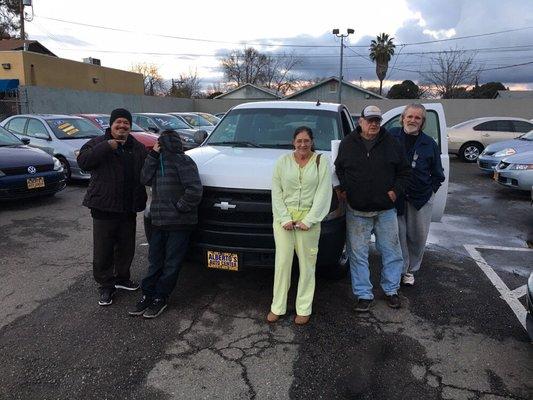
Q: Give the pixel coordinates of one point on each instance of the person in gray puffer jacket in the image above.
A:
(176, 194)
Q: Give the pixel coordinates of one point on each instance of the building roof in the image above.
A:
(336, 79)
(514, 94)
(297, 105)
(18, 44)
(238, 88)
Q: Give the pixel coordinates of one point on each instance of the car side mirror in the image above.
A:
(40, 135)
(25, 140)
(153, 129)
(200, 136)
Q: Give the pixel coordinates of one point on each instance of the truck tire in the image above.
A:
(336, 271)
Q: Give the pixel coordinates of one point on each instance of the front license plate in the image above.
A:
(496, 176)
(221, 260)
(34, 183)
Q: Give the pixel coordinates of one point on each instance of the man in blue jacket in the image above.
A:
(415, 206)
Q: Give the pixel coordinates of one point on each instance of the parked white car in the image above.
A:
(469, 138)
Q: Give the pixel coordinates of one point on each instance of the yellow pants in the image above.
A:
(305, 243)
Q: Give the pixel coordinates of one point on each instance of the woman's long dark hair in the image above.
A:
(309, 132)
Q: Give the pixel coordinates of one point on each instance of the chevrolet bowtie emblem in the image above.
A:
(224, 205)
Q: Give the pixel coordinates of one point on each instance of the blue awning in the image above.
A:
(8, 84)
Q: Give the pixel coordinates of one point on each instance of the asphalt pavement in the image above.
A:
(454, 338)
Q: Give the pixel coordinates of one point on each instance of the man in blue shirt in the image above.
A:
(415, 206)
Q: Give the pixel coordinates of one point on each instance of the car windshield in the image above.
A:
(211, 118)
(196, 120)
(73, 128)
(103, 122)
(7, 138)
(274, 128)
(170, 122)
(527, 136)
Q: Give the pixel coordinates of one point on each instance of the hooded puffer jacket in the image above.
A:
(175, 182)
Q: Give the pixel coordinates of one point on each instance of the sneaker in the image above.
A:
(393, 301)
(127, 285)
(106, 296)
(408, 279)
(363, 305)
(141, 306)
(155, 309)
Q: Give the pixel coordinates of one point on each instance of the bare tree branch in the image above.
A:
(450, 71)
(153, 82)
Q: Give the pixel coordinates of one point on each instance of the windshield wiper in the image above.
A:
(235, 144)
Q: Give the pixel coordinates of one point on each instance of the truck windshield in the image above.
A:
(274, 128)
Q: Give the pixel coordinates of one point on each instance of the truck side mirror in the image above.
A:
(200, 136)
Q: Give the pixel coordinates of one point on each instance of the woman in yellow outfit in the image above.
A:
(301, 197)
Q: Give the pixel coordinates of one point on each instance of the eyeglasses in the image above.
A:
(373, 120)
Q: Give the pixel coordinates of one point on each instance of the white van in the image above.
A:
(236, 163)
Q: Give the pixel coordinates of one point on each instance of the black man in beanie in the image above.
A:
(114, 196)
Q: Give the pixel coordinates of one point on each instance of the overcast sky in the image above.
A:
(192, 36)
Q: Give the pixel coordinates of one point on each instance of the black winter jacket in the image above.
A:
(107, 185)
(176, 185)
(368, 176)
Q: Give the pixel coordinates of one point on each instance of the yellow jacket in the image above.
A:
(301, 193)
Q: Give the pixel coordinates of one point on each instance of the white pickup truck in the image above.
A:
(236, 163)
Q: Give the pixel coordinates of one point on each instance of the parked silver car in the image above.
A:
(516, 171)
(59, 135)
(469, 138)
(194, 120)
(495, 152)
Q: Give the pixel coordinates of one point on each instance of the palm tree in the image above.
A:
(381, 51)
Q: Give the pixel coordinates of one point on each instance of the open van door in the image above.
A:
(435, 128)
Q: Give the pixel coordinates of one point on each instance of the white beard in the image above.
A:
(411, 130)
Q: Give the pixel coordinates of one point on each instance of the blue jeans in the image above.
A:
(359, 229)
(166, 252)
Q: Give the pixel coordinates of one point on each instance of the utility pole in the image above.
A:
(336, 31)
(22, 33)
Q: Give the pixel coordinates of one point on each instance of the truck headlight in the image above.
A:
(57, 165)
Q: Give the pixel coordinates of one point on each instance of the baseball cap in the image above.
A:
(371, 112)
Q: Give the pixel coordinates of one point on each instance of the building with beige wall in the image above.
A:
(35, 69)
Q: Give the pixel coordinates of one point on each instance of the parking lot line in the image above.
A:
(510, 296)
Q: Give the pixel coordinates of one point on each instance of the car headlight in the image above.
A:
(186, 138)
(505, 152)
(57, 165)
(521, 167)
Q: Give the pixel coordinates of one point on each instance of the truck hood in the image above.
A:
(236, 167)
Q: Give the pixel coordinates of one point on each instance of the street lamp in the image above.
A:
(337, 33)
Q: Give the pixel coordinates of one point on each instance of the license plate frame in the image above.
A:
(222, 260)
(35, 183)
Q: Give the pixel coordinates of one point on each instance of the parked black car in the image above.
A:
(27, 171)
